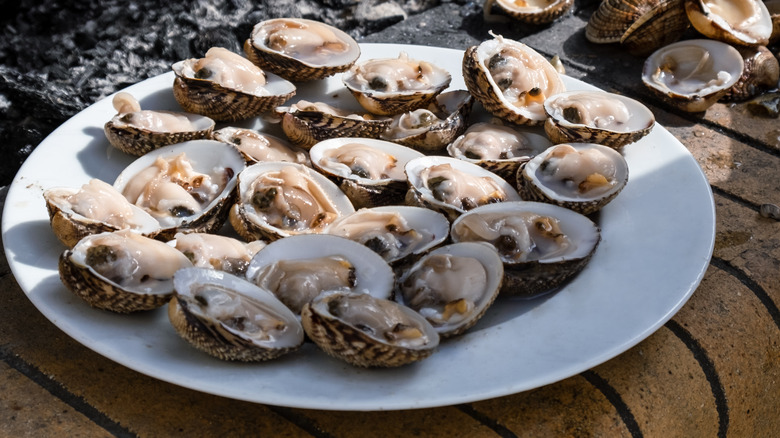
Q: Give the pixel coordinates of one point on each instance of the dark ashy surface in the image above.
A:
(56, 58)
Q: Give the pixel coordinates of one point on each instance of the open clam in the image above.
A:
(581, 176)
(498, 148)
(298, 268)
(306, 123)
(227, 87)
(542, 246)
(369, 171)
(301, 50)
(395, 232)
(431, 129)
(215, 251)
(389, 86)
(510, 79)
(453, 285)
(256, 146)
(136, 132)
(367, 331)
(744, 22)
(95, 207)
(530, 12)
(452, 186)
(692, 74)
(121, 271)
(188, 186)
(761, 73)
(596, 117)
(231, 318)
(277, 199)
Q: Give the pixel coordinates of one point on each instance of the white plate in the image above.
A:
(658, 237)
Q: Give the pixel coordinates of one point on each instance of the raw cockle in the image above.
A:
(452, 186)
(257, 146)
(369, 171)
(136, 132)
(231, 318)
(510, 79)
(215, 251)
(277, 199)
(692, 74)
(227, 87)
(121, 271)
(596, 117)
(298, 268)
(396, 232)
(746, 22)
(453, 285)
(306, 123)
(542, 246)
(581, 176)
(498, 148)
(389, 86)
(187, 186)
(95, 207)
(530, 12)
(300, 50)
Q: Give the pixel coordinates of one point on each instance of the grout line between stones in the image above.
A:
(494, 425)
(616, 400)
(758, 291)
(57, 390)
(710, 373)
(299, 420)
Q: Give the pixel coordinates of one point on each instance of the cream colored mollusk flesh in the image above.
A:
(156, 121)
(363, 161)
(310, 43)
(291, 200)
(579, 173)
(230, 70)
(460, 189)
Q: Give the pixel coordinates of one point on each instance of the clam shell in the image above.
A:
(252, 226)
(663, 24)
(560, 130)
(342, 339)
(419, 195)
(214, 331)
(388, 103)
(221, 161)
(531, 188)
(761, 73)
(364, 191)
(494, 269)
(257, 146)
(483, 87)
(537, 276)
(613, 18)
(747, 23)
(134, 140)
(452, 109)
(714, 66)
(295, 66)
(138, 294)
(307, 127)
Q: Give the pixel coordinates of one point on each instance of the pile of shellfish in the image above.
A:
(374, 235)
(730, 62)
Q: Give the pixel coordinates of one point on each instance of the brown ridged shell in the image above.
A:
(712, 25)
(354, 346)
(137, 141)
(613, 18)
(306, 128)
(761, 73)
(213, 100)
(663, 24)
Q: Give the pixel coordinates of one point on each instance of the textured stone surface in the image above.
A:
(712, 370)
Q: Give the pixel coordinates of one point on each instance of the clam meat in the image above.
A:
(216, 251)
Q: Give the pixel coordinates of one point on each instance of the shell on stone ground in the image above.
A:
(746, 23)
(533, 12)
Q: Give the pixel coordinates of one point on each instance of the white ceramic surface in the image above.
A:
(657, 241)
